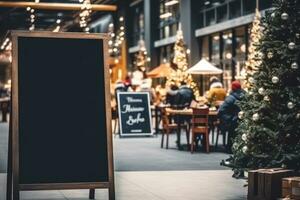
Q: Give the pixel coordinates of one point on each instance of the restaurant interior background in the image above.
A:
(142, 35)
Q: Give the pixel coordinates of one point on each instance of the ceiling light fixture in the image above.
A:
(171, 3)
(165, 15)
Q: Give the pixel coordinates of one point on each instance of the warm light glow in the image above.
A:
(58, 21)
(171, 3)
(243, 48)
(165, 15)
(228, 55)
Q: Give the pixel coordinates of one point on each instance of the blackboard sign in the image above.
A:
(61, 120)
(134, 113)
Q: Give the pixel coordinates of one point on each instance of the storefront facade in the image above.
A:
(215, 30)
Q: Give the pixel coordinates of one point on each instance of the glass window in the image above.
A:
(235, 9)
(227, 58)
(248, 6)
(222, 13)
(215, 56)
(205, 48)
(240, 51)
(265, 4)
(138, 24)
(210, 17)
(169, 18)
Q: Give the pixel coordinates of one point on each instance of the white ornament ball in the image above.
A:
(270, 55)
(261, 91)
(291, 45)
(290, 105)
(266, 98)
(245, 149)
(251, 80)
(255, 117)
(298, 35)
(284, 16)
(235, 145)
(244, 137)
(250, 93)
(294, 65)
(273, 15)
(275, 79)
(241, 115)
(298, 116)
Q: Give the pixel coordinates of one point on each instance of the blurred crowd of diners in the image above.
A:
(172, 95)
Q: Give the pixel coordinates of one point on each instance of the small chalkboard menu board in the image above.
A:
(134, 114)
(60, 132)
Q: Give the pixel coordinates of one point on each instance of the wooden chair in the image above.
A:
(200, 126)
(168, 127)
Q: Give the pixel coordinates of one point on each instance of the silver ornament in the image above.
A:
(245, 149)
(266, 98)
(270, 55)
(255, 117)
(298, 116)
(244, 137)
(284, 16)
(273, 15)
(290, 105)
(261, 91)
(251, 80)
(235, 145)
(294, 65)
(298, 35)
(275, 79)
(291, 46)
(241, 115)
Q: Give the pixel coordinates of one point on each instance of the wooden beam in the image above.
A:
(56, 6)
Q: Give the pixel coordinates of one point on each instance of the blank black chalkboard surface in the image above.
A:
(61, 120)
(134, 114)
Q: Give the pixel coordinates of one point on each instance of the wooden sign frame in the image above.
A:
(13, 185)
(120, 116)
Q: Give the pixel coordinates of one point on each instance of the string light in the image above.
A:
(86, 10)
(116, 38)
(32, 17)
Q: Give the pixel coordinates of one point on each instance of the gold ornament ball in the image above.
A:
(284, 16)
(275, 79)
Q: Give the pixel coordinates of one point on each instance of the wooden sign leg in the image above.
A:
(92, 194)
(111, 193)
(9, 165)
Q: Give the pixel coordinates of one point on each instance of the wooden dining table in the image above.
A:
(179, 115)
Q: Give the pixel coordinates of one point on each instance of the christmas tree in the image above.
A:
(254, 56)
(180, 59)
(268, 134)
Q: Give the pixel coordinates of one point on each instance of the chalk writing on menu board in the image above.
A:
(134, 113)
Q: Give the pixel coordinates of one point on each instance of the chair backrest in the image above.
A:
(200, 116)
(164, 117)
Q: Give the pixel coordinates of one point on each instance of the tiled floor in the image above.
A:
(162, 185)
(144, 171)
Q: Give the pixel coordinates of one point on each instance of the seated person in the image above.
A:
(228, 112)
(171, 95)
(216, 91)
(184, 96)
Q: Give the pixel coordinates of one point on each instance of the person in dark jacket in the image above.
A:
(228, 112)
(171, 95)
(184, 96)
